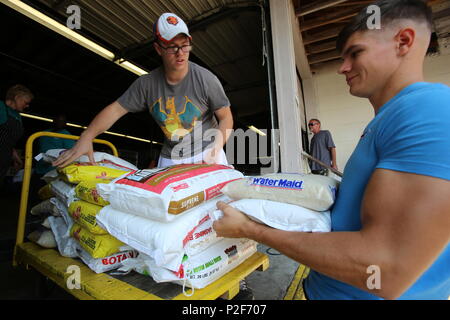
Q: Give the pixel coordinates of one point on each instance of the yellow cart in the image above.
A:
(102, 286)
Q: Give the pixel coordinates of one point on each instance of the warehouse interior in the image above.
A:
(229, 38)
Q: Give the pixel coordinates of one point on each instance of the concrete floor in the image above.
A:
(21, 284)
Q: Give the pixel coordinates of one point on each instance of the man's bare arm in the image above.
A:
(405, 225)
(225, 118)
(333, 158)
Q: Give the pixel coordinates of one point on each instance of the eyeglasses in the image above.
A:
(312, 124)
(174, 49)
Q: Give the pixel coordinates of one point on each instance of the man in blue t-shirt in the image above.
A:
(391, 220)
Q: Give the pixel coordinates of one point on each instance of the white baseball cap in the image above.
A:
(168, 26)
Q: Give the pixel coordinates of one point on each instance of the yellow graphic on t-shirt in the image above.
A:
(175, 123)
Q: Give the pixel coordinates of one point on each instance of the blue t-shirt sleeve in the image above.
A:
(415, 137)
(329, 140)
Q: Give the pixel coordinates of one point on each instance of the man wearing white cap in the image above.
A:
(186, 100)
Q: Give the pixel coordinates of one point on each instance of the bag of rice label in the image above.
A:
(108, 263)
(85, 213)
(98, 246)
(202, 269)
(314, 192)
(87, 191)
(162, 194)
(81, 171)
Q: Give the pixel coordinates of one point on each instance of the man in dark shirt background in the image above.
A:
(322, 148)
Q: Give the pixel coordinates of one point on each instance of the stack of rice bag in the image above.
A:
(74, 197)
(291, 202)
(165, 214)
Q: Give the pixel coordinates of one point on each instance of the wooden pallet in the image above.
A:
(129, 287)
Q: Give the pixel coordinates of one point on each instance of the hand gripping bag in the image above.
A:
(162, 194)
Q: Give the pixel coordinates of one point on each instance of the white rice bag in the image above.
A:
(65, 192)
(311, 191)
(282, 216)
(44, 238)
(66, 244)
(202, 269)
(63, 211)
(105, 264)
(162, 194)
(45, 208)
(50, 176)
(53, 154)
(165, 242)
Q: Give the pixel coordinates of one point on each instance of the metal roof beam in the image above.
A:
(201, 23)
(317, 7)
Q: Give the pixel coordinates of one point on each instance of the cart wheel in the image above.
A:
(44, 287)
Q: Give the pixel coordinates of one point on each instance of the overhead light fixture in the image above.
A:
(131, 67)
(75, 125)
(26, 115)
(63, 30)
(253, 128)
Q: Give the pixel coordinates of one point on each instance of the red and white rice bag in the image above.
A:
(165, 242)
(162, 194)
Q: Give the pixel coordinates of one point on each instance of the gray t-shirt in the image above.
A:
(320, 144)
(184, 111)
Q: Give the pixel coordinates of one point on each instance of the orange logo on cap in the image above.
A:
(172, 20)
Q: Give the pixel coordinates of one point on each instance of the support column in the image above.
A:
(281, 13)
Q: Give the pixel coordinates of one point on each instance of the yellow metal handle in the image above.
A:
(27, 177)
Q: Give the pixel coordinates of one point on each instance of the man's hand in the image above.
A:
(233, 224)
(82, 147)
(103, 121)
(211, 156)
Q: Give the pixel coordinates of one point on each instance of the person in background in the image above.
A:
(390, 223)
(18, 98)
(322, 148)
